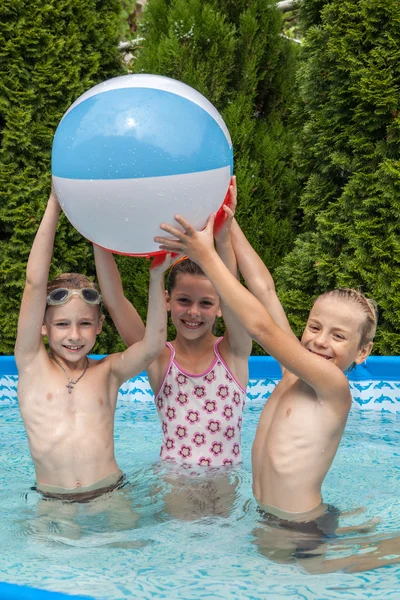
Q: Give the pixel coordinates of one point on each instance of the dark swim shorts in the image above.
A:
(308, 535)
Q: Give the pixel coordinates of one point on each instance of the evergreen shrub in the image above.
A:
(348, 161)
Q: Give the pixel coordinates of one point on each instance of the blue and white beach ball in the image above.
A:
(134, 151)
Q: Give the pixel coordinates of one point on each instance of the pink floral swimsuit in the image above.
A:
(201, 415)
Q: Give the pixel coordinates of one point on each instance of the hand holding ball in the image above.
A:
(134, 151)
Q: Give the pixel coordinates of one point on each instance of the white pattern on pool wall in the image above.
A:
(367, 394)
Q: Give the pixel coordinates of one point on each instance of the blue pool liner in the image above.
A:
(375, 368)
(9, 591)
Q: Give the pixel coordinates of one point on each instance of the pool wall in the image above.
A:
(375, 384)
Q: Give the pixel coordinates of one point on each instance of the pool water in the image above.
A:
(157, 539)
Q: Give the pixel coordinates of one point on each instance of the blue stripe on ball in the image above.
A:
(137, 133)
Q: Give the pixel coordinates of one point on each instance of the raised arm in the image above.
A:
(33, 304)
(257, 277)
(324, 377)
(236, 336)
(140, 355)
(126, 318)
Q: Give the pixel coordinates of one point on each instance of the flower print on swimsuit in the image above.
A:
(236, 449)
(199, 391)
(236, 398)
(213, 426)
(229, 432)
(169, 444)
(199, 439)
(185, 451)
(223, 391)
(167, 390)
(181, 378)
(216, 448)
(193, 416)
(202, 420)
(228, 412)
(210, 406)
(171, 413)
(182, 398)
(210, 377)
(204, 461)
(181, 431)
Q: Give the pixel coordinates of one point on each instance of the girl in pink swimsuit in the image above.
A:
(199, 381)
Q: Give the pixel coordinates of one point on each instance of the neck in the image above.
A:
(70, 366)
(197, 347)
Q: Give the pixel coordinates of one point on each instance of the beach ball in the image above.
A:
(134, 151)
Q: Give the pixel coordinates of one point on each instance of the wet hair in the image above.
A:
(368, 306)
(185, 266)
(72, 281)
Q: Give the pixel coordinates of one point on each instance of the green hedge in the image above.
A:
(348, 161)
(51, 51)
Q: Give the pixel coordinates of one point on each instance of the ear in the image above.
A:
(100, 324)
(43, 330)
(219, 312)
(167, 300)
(363, 353)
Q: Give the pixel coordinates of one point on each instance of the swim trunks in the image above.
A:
(309, 532)
(84, 493)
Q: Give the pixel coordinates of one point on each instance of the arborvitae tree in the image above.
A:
(232, 52)
(349, 161)
(51, 51)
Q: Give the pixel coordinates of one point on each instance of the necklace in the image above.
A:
(71, 382)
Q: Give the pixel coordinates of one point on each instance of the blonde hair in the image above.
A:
(369, 307)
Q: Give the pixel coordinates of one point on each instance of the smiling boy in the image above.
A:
(68, 400)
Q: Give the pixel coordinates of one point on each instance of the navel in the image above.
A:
(49, 396)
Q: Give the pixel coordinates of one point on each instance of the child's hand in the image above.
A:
(162, 262)
(197, 245)
(223, 228)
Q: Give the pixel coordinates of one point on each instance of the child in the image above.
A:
(67, 400)
(303, 421)
(199, 381)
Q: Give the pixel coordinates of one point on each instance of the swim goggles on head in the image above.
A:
(62, 295)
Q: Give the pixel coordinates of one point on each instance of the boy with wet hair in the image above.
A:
(68, 400)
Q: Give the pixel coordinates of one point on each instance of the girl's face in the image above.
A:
(194, 305)
(333, 331)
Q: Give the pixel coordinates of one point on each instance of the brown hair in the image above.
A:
(186, 266)
(370, 308)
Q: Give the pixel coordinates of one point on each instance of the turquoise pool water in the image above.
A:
(141, 546)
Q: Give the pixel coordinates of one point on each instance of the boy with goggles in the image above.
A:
(68, 400)
(62, 295)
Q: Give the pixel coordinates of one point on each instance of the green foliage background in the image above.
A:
(347, 158)
(315, 132)
(51, 51)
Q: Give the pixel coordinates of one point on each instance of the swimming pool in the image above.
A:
(143, 549)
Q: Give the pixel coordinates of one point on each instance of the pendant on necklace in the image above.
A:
(69, 387)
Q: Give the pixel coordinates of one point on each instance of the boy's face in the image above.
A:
(71, 328)
(333, 331)
(194, 305)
